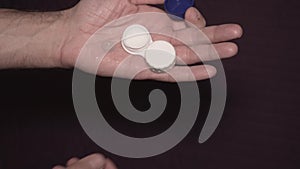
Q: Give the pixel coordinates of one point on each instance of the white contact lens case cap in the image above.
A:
(135, 40)
(159, 55)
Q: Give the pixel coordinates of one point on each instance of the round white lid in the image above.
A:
(160, 55)
(135, 39)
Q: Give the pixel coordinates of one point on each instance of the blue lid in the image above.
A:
(178, 7)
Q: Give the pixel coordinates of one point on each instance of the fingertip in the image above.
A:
(211, 70)
(237, 30)
(230, 50)
(234, 49)
(192, 13)
(194, 16)
(226, 49)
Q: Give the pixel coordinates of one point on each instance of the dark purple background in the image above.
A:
(259, 129)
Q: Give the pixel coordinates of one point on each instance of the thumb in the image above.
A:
(195, 17)
(94, 161)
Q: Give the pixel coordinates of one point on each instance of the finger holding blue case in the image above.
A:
(178, 7)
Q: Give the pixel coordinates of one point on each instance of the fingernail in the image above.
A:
(211, 71)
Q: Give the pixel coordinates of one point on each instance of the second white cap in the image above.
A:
(160, 56)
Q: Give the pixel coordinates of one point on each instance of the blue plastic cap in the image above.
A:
(178, 7)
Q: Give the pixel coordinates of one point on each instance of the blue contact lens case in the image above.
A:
(178, 7)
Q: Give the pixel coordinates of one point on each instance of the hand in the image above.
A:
(94, 161)
(89, 15)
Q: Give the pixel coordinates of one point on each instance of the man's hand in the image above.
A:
(94, 161)
(54, 39)
(90, 15)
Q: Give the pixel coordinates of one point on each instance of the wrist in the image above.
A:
(54, 38)
(31, 39)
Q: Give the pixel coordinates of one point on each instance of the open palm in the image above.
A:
(90, 15)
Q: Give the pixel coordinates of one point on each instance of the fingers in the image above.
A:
(180, 74)
(223, 33)
(94, 161)
(136, 68)
(218, 35)
(187, 36)
(72, 161)
(212, 34)
(223, 50)
(195, 17)
(144, 2)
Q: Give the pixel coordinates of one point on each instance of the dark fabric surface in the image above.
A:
(259, 129)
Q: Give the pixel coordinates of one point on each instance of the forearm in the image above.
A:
(30, 39)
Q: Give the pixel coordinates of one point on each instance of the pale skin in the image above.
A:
(93, 161)
(54, 40)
